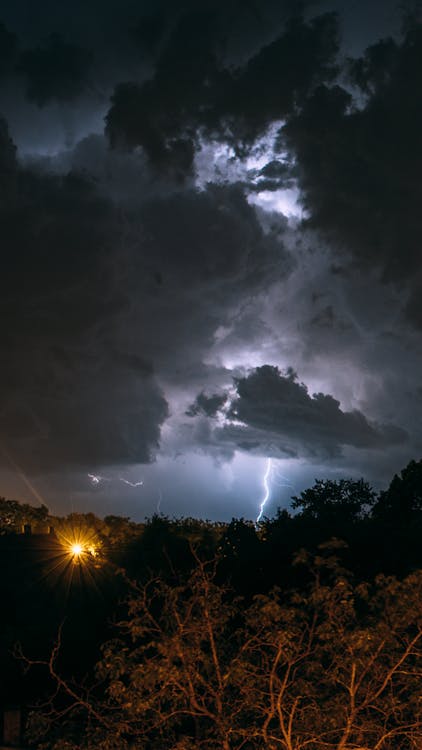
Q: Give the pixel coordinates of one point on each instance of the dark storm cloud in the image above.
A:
(193, 260)
(67, 396)
(276, 175)
(193, 91)
(101, 298)
(280, 75)
(84, 415)
(359, 161)
(8, 163)
(187, 259)
(209, 406)
(211, 237)
(8, 49)
(55, 70)
(161, 114)
(279, 411)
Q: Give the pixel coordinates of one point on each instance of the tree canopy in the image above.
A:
(333, 667)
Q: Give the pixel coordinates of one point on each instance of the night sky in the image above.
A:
(210, 218)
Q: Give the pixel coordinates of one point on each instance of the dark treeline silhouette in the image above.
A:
(45, 589)
(381, 534)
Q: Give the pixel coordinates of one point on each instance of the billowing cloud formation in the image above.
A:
(273, 412)
(79, 414)
(194, 92)
(67, 395)
(103, 299)
(207, 405)
(359, 160)
(211, 237)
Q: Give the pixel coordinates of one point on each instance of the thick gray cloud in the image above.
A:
(207, 405)
(210, 238)
(105, 298)
(67, 395)
(272, 413)
(166, 113)
(358, 160)
(277, 403)
(81, 414)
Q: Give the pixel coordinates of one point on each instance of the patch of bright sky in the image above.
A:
(195, 484)
(218, 162)
(234, 357)
(280, 201)
(239, 344)
(186, 485)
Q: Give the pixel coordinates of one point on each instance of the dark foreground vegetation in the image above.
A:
(303, 633)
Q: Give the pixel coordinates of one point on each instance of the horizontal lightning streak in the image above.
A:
(96, 479)
(131, 484)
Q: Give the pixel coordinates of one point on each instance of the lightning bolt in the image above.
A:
(96, 480)
(266, 491)
(131, 484)
(281, 481)
(160, 497)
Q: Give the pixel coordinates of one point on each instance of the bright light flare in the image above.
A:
(79, 545)
(74, 555)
